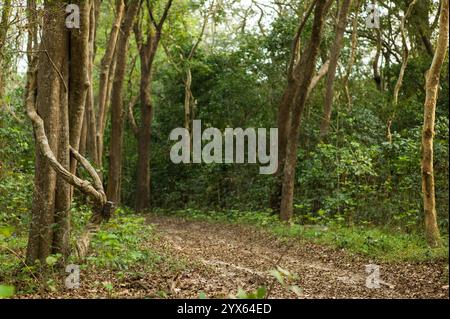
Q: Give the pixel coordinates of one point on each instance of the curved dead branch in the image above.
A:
(103, 208)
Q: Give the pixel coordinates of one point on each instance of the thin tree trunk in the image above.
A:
(117, 110)
(91, 136)
(405, 55)
(4, 23)
(106, 71)
(79, 77)
(335, 53)
(147, 52)
(306, 65)
(432, 87)
(352, 54)
(284, 110)
(375, 64)
(188, 100)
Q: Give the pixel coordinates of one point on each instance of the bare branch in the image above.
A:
(42, 141)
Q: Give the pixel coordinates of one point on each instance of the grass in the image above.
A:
(124, 245)
(381, 244)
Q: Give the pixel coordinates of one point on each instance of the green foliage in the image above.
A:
(6, 291)
(16, 165)
(259, 293)
(284, 278)
(120, 243)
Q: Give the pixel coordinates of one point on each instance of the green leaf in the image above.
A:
(108, 286)
(51, 260)
(284, 271)
(6, 291)
(261, 292)
(241, 294)
(6, 231)
(278, 276)
(202, 295)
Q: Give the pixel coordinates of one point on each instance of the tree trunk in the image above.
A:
(91, 120)
(4, 23)
(352, 53)
(60, 88)
(49, 205)
(375, 64)
(107, 68)
(284, 110)
(432, 87)
(284, 124)
(117, 110)
(335, 53)
(147, 52)
(306, 65)
(405, 55)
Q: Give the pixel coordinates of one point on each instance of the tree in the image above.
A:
(117, 109)
(405, 55)
(432, 87)
(56, 94)
(334, 56)
(419, 26)
(107, 69)
(4, 25)
(147, 51)
(306, 65)
(284, 109)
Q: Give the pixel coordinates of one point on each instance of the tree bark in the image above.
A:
(405, 55)
(117, 109)
(107, 68)
(147, 52)
(306, 65)
(284, 110)
(4, 24)
(335, 53)
(375, 64)
(91, 120)
(52, 105)
(351, 61)
(432, 87)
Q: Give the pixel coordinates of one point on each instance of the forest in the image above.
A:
(224, 149)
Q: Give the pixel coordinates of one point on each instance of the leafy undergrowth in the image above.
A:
(125, 247)
(380, 244)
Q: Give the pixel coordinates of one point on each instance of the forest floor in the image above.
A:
(202, 259)
(231, 256)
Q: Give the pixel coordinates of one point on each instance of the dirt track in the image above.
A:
(220, 258)
(232, 256)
